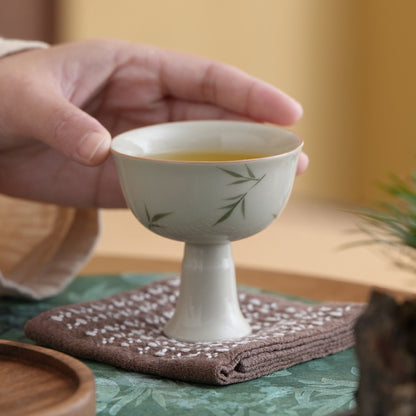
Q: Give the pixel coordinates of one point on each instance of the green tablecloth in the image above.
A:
(316, 388)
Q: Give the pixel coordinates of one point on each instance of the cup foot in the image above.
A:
(207, 333)
(207, 309)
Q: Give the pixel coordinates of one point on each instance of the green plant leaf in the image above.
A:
(393, 224)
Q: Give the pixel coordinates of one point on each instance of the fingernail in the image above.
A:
(92, 148)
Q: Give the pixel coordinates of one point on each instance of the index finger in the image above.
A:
(203, 80)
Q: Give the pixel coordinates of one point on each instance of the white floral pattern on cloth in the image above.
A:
(126, 330)
(135, 320)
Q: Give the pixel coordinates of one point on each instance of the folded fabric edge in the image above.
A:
(228, 369)
(244, 371)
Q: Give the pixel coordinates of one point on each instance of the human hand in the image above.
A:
(60, 106)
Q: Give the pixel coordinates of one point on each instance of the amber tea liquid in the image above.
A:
(207, 156)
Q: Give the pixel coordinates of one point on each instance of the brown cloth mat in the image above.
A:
(126, 330)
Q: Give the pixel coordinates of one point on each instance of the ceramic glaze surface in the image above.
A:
(207, 204)
(207, 201)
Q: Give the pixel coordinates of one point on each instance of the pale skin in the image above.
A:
(60, 107)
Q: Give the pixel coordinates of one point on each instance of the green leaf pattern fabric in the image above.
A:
(317, 388)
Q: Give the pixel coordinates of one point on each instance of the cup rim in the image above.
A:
(194, 123)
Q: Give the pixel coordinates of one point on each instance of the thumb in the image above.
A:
(68, 129)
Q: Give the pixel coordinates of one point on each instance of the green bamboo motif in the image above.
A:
(152, 220)
(240, 199)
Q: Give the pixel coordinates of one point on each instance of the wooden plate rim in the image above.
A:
(83, 398)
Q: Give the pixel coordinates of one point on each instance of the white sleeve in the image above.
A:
(10, 46)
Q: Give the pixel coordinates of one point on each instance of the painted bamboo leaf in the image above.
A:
(240, 181)
(152, 220)
(243, 207)
(232, 173)
(250, 172)
(240, 199)
(225, 216)
(158, 217)
(230, 205)
(152, 226)
(234, 197)
(147, 214)
(259, 180)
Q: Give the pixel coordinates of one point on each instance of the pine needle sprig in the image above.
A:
(394, 223)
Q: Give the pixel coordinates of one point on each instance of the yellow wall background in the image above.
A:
(351, 63)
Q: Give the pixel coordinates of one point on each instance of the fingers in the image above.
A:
(202, 80)
(33, 104)
(303, 163)
(66, 128)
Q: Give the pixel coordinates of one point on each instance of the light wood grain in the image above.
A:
(38, 381)
(307, 286)
(309, 238)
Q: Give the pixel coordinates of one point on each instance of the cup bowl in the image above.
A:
(207, 201)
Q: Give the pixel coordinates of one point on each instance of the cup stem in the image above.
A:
(207, 308)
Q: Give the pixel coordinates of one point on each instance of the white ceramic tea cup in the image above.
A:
(207, 204)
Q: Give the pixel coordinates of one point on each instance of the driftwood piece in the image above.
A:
(386, 350)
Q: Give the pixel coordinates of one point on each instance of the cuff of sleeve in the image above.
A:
(10, 46)
(43, 247)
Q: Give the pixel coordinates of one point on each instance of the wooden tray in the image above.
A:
(40, 381)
